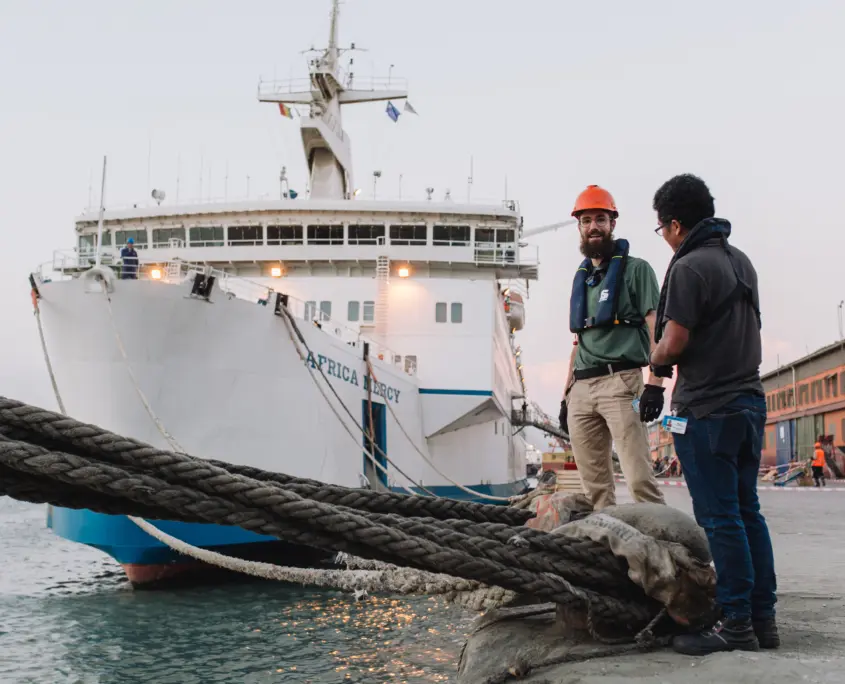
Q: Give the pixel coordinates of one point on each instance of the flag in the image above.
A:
(392, 112)
(409, 108)
(285, 110)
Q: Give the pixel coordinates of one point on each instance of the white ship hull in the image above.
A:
(226, 381)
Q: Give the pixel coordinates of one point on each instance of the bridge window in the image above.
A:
(440, 312)
(246, 236)
(325, 311)
(87, 244)
(140, 237)
(408, 235)
(369, 312)
(457, 312)
(206, 236)
(325, 235)
(284, 235)
(365, 235)
(411, 367)
(163, 236)
(454, 236)
(353, 311)
(310, 310)
(106, 238)
(505, 234)
(485, 235)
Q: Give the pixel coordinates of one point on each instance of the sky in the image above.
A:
(545, 96)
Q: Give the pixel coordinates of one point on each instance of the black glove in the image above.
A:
(660, 371)
(651, 403)
(562, 416)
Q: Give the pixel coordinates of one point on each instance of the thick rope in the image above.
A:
(347, 531)
(431, 463)
(56, 432)
(383, 578)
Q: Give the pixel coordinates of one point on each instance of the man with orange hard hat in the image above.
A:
(612, 312)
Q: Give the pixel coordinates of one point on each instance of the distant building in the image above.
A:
(805, 399)
(660, 442)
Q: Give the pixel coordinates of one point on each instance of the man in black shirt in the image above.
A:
(708, 323)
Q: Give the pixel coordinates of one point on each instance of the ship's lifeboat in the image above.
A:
(515, 310)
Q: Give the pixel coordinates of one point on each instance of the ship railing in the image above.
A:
(506, 255)
(74, 259)
(232, 198)
(280, 87)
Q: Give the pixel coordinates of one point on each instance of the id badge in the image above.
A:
(636, 405)
(675, 424)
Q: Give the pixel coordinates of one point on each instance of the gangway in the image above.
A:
(531, 415)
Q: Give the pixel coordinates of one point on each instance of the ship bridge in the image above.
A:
(286, 237)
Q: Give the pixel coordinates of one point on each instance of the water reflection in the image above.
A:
(66, 616)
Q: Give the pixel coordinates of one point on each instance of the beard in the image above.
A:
(593, 249)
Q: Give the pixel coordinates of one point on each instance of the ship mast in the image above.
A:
(326, 145)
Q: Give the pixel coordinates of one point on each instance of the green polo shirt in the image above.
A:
(600, 346)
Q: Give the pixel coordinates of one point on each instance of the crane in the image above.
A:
(546, 229)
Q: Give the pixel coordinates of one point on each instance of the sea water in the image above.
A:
(68, 615)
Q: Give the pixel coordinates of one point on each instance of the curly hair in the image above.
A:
(686, 199)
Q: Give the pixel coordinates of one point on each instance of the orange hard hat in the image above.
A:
(595, 197)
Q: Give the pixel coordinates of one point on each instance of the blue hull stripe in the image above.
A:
(458, 393)
(127, 543)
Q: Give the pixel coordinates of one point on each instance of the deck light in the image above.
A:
(404, 271)
(276, 271)
(155, 274)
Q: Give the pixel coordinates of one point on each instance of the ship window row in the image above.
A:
(318, 234)
(456, 309)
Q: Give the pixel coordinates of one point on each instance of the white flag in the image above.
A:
(409, 108)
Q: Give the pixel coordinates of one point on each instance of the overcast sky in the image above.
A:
(551, 94)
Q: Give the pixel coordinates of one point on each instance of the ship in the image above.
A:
(362, 343)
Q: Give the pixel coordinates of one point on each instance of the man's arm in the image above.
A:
(651, 322)
(673, 343)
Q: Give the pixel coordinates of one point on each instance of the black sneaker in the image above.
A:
(766, 631)
(727, 635)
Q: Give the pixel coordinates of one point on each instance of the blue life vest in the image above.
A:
(607, 313)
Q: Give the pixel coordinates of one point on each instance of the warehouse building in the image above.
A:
(806, 399)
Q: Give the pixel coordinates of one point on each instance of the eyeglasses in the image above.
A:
(602, 221)
(662, 226)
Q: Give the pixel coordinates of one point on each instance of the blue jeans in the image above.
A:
(720, 456)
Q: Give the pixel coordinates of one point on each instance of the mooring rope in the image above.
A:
(35, 298)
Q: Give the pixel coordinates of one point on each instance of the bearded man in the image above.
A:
(612, 313)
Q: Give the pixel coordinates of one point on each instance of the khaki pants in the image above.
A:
(600, 413)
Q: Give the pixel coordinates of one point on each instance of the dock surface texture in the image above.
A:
(808, 532)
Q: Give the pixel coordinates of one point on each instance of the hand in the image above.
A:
(651, 403)
(562, 416)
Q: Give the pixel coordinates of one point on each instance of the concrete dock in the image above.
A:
(808, 531)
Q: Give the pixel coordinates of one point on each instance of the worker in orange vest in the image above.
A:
(818, 465)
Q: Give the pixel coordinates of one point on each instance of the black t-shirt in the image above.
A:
(722, 359)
